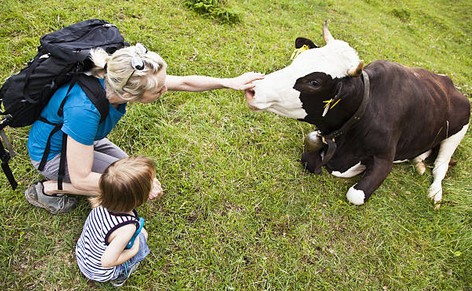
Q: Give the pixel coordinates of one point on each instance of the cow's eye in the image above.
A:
(314, 83)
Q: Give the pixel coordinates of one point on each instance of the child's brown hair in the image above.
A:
(126, 184)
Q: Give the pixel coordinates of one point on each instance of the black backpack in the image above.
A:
(63, 56)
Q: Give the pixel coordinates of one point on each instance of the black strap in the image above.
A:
(6, 154)
(95, 92)
(62, 162)
(44, 159)
(360, 111)
(329, 139)
(60, 110)
(5, 157)
(330, 151)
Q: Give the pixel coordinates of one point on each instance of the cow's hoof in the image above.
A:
(435, 193)
(420, 167)
(355, 196)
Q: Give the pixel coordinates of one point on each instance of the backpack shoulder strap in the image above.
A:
(95, 92)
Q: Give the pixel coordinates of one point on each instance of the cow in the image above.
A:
(366, 117)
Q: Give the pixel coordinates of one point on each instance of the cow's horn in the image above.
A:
(354, 72)
(326, 34)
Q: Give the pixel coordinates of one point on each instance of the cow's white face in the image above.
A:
(275, 93)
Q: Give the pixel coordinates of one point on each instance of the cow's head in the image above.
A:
(310, 81)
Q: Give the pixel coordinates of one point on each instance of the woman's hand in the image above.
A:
(156, 191)
(243, 82)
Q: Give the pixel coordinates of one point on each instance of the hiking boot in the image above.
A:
(53, 203)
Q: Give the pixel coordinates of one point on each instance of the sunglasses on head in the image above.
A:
(136, 62)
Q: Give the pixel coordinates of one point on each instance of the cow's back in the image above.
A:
(414, 107)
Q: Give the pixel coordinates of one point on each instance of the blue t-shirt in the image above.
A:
(81, 121)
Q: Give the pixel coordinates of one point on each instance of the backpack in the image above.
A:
(62, 57)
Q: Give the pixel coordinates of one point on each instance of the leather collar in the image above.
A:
(329, 139)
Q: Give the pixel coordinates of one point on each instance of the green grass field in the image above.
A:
(239, 212)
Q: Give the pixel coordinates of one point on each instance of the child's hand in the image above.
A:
(156, 190)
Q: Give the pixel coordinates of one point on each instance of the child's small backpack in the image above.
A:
(63, 56)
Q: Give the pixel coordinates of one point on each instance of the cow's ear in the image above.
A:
(301, 41)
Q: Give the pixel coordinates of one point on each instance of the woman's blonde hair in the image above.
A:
(126, 184)
(120, 74)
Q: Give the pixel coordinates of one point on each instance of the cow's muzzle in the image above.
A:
(250, 99)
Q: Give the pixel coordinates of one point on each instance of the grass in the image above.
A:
(239, 212)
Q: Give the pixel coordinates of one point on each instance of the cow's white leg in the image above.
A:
(376, 170)
(351, 172)
(441, 164)
(419, 162)
(355, 196)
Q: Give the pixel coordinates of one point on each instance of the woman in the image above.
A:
(131, 74)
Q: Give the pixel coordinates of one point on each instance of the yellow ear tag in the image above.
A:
(328, 106)
(298, 51)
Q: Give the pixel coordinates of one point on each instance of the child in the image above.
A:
(101, 249)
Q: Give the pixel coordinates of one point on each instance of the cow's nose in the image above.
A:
(250, 94)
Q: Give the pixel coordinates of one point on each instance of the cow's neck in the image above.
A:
(345, 113)
(329, 138)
